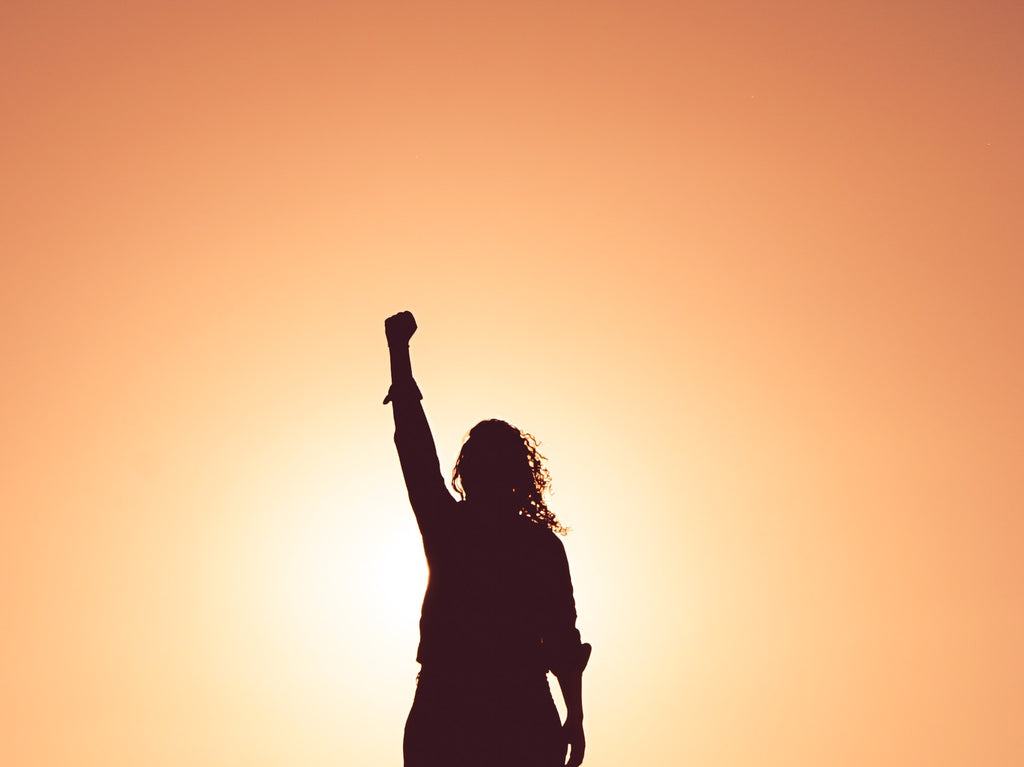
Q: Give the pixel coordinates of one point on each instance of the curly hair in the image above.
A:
(504, 458)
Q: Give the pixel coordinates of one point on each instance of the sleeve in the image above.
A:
(564, 651)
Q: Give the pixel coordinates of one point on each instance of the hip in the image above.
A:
(466, 720)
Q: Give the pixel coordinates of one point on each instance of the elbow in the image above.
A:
(570, 661)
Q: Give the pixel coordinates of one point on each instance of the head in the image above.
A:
(500, 467)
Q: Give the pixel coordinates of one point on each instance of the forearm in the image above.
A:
(412, 432)
(411, 428)
(570, 679)
(571, 684)
(403, 385)
(401, 363)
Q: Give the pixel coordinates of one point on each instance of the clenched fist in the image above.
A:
(399, 328)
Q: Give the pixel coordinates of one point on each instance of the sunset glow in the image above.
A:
(751, 272)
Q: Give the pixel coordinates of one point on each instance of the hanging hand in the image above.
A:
(575, 742)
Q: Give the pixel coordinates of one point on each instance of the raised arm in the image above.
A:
(416, 451)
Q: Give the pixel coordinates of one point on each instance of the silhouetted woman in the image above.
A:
(499, 610)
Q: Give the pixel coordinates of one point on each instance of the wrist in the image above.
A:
(401, 365)
(403, 389)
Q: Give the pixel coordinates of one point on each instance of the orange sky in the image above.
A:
(751, 272)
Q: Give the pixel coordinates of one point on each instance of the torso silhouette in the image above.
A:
(499, 598)
(497, 614)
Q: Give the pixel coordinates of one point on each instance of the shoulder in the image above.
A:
(446, 518)
(541, 539)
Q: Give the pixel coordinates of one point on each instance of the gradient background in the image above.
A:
(752, 272)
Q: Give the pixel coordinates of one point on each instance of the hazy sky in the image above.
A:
(751, 272)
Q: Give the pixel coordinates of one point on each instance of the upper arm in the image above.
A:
(563, 601)
(561, 637)
(428, 494)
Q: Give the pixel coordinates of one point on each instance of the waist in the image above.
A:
(469, 678)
